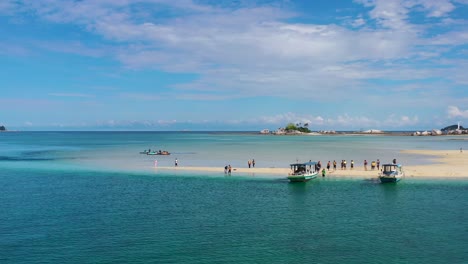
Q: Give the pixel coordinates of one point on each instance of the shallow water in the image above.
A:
(120, 150)
(61, 203)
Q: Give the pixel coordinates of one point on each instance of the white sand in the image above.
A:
(447, 164)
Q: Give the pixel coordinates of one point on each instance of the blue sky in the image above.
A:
(233, 65)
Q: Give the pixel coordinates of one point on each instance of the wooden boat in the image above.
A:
(158, 153)
(391, 173)
(302, 172)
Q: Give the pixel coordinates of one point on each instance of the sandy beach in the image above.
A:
(445, 164)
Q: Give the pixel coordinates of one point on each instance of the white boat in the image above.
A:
(391, 173)
(302, 172)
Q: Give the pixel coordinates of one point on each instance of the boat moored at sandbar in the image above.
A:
(302, 172)
(391, 173)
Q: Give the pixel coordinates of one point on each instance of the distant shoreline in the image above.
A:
(347, 133)
(338, 132)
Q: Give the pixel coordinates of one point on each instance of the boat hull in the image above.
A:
(301, 178)
(389, 179)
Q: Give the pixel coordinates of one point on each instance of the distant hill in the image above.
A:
(452, 127)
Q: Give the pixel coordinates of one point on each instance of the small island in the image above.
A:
(303, 129)
(290, 129)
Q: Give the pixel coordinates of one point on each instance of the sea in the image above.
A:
(91, 197)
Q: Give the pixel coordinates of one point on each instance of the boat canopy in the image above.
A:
(310, 163)
(391, 165)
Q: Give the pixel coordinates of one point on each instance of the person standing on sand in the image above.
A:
(253, 163)
(352, 164)
(176, 162)
(344, 164)
(334, 165)
(328, 166)
(365, 165)
(249, 163)
(225, 169)
(378, 164)
(229, 169)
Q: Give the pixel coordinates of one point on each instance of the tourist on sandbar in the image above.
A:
(319, 165)
(328, 166)
(394, 161)
(334, 164)
(253, 163)
(225, 169)
(372, 165)
(323, 173)
(378, 164)
(229, 169)
(365, 164)
(344, 164)
(249, 163)
(341, 165)
(176, 162)
(352, 164)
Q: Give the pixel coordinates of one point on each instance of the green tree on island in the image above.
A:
(2, 128)
(298, 127)
(291, 127)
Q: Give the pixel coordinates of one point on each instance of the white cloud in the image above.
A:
(8, 6)
(344, 121)
(437, 8)
(283, 119)
(454, 112)
(250, 50)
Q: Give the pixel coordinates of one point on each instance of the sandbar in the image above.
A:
(444, 164)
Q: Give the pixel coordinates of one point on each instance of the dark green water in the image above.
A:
(89, 217)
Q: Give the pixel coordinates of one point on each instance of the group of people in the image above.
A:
(251, 163)
(227, 169)
(344, 163)
(374, 164)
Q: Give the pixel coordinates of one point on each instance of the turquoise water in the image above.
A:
(59, 205)
(119, 150)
